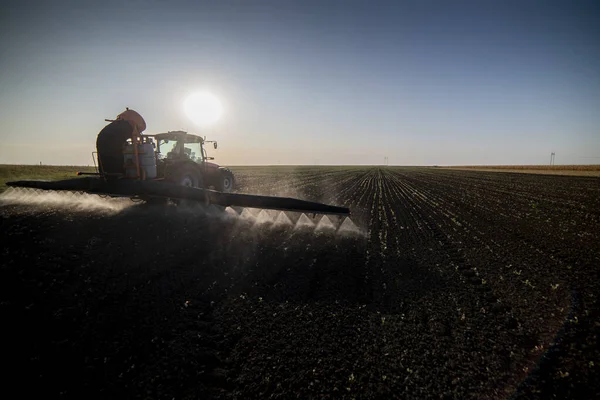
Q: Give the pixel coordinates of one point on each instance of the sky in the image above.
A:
(420, 82)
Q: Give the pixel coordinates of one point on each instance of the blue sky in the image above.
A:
(334, 82)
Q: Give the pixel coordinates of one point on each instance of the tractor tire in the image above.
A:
(186, 176)
(226, 182)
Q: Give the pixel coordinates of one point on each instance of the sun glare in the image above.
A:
(203, 108)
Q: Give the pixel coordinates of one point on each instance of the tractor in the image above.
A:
(176, 156)
(172, 165)
(181, 159)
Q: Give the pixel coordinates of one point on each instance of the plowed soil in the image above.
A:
(460, 284)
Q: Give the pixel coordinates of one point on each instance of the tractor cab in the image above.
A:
(178, 151)
(181, 146)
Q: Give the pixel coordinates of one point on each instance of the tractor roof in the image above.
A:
(177, 135)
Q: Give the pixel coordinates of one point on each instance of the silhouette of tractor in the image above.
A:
(181, 159)
(172, 165)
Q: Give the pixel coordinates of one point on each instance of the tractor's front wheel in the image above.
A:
(226, 182)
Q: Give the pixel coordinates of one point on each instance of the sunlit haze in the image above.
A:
(308, 82)
(203, 108)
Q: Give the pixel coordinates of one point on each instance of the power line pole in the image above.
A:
(552, 155)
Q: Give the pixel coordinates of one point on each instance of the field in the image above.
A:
(571, 170)
(453, 285)
(49, 172)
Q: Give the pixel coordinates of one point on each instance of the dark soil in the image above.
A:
(464, 285)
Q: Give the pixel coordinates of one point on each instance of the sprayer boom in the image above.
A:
(160, 189)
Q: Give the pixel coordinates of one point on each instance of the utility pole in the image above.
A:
(552, 155)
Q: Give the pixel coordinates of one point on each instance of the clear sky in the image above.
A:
(303, 82)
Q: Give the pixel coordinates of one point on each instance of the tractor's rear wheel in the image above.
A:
(186, 176)
(226, 182)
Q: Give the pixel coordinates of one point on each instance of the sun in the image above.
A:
(203, 108)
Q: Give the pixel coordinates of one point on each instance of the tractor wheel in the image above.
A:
(186, 176)
(226, 182)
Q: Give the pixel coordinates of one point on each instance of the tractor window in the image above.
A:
(193, 151)
(166, 148)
